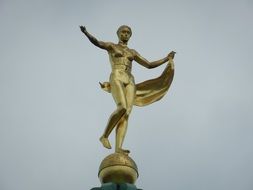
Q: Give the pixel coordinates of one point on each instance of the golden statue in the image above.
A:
(122, 86)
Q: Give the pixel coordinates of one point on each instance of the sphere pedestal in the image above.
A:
(113, 186)
(117, 172)
(118, 168)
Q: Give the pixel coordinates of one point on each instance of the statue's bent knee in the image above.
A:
(122, 109)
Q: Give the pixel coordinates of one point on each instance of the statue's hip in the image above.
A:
(122, 75)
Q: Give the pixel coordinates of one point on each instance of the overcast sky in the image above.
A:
(52, 111)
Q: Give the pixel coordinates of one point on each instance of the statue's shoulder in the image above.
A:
(133, 51)
(110, 46)
(113, 45)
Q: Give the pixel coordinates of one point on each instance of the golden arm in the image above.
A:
(144, 62)
(93, 40)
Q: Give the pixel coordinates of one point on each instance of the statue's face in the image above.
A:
(124, 34)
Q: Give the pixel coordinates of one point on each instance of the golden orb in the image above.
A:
(118, 168)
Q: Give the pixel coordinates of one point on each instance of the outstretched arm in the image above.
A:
(100, 44)
(144, 62)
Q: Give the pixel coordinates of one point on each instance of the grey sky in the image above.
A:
(52, 111)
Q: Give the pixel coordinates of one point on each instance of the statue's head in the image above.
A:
(124, 33)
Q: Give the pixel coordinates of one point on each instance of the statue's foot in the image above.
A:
(122, 151)
(105, 142)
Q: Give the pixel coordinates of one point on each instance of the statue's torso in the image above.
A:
(121, 63)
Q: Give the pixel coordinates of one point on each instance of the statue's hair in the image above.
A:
(124, 26)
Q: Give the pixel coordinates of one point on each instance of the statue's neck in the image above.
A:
(122, 43)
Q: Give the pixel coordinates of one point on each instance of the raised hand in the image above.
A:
(83, 29)
(171, 55)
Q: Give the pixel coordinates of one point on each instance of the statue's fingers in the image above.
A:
(102, 85)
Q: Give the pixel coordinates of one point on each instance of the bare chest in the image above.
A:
(121, 52)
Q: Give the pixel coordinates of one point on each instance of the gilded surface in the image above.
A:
(118, 168)
(118, 159)
(122, 85)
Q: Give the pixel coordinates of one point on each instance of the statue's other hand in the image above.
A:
(83, 29)
(102, 85)
(105, 86)
(171, 55)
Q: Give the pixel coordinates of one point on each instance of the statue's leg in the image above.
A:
(122, 125)
(120, 134)
(118, 93)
